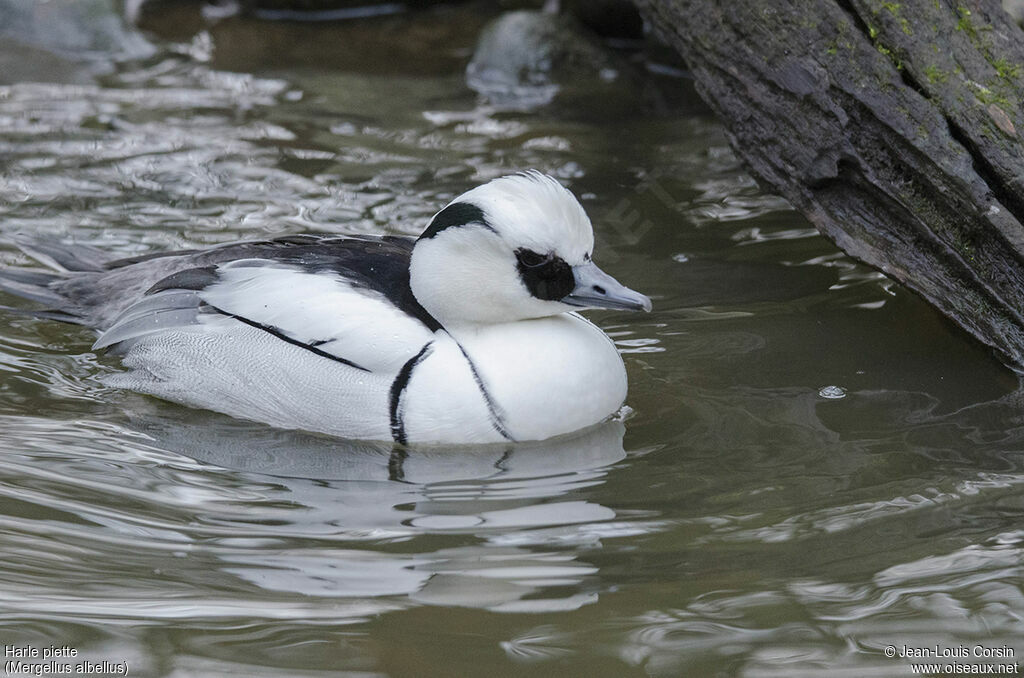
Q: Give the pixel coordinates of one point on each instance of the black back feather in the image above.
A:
(378, 263)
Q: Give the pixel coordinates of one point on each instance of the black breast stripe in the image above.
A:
(284, 337)
(492, 408)
(398, 388)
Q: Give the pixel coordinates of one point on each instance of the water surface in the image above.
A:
(740, 521)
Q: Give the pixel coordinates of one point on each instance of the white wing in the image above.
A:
(322, 312)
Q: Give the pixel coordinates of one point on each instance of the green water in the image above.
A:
(737, 523)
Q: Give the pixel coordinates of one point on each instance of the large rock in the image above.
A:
(894, 127)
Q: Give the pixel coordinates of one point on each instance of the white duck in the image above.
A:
(464, 335)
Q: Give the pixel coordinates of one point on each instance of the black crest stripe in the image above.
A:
(284, 337)
(398, 388)
(456, 214)
(492, 408)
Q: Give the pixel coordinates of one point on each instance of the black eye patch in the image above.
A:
(546, 276)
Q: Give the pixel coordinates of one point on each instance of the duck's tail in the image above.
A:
(39, 285)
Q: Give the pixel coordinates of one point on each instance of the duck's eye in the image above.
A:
(546, 276)
(531, 259)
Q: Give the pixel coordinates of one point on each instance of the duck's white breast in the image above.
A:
(442, 400)
(526, 380)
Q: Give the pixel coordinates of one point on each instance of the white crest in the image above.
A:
(533, 210)
(468, 274)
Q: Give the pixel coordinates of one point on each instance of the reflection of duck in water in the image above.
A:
(464, 335)
(254, 448)
(521, 502)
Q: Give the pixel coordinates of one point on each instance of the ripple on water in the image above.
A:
(747, 528)
(969, 596)
(539, 644)
(120, 499)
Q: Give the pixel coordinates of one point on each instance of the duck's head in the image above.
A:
(515, 248)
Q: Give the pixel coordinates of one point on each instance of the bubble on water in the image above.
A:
(832, 392)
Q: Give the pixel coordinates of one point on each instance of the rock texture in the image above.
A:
(895, 127)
